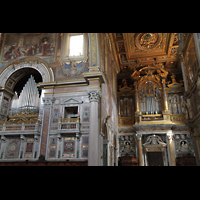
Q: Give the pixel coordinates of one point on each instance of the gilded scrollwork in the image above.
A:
(148, 41)
(23, 117)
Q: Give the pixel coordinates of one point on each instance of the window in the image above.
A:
(75, 46)
(71, 112)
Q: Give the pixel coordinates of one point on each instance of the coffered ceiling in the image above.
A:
(136, 50)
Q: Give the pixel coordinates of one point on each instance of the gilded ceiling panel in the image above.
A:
(140, 49)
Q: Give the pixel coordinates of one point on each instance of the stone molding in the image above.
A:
(48, 101)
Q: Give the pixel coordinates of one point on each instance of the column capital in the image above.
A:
(139, 136)
(48, 101)
(170, 135)
(94, 95)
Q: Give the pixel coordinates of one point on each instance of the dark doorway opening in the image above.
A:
(155, 159)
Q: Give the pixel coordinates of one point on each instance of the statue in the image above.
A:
(154, 140)
(184, 146)
(124, 81)
(173, 78)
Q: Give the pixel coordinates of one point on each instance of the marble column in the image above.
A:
(139, 150)
(171, 149)
(94, 130)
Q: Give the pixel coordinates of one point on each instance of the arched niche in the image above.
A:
(13, 72)
(16, 74)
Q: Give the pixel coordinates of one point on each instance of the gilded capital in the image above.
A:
(94, 95)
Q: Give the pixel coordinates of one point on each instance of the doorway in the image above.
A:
(155, 159)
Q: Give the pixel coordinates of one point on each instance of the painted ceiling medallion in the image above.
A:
(148, 40)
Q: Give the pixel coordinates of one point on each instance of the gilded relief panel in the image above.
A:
(146, 44)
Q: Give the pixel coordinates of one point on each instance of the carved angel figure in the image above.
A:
(154, 140)
(73, 64)
(173, 78)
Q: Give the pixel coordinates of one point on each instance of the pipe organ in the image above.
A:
(126, 108)
(28, 99)
(150, 98)
(176, 103)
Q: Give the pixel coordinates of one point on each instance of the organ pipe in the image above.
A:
(29, 96)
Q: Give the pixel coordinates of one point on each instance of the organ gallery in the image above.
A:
(99, 99)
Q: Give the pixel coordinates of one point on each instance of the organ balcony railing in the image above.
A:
(69, 125)
(22, 122)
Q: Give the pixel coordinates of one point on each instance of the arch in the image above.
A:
(151, 77)
(29, 62)
(144, 81)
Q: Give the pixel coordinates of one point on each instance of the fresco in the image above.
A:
(28, 44)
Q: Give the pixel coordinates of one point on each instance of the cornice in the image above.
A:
(60, 83)
(99, 75)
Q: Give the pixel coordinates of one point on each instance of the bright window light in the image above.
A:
(76, 45)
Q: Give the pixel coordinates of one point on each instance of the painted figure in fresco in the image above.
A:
(17, 52)
(31, 45)
(44, 47)
(10, 52)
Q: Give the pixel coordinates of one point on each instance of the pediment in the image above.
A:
(71, 100)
